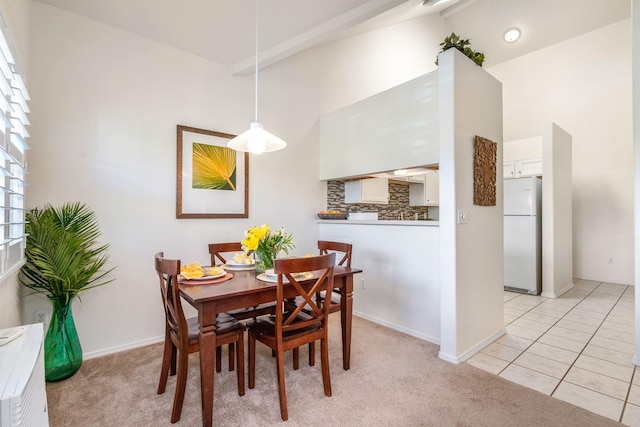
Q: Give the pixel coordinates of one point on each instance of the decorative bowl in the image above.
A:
(342, 215)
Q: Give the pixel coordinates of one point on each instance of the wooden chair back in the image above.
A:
(287, 319)
(168, 271)
(345, 249)
(178, 344)
(217, 249)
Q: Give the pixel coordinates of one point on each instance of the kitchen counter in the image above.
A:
(419, 223)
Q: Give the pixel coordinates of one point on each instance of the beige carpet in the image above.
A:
(394, 380)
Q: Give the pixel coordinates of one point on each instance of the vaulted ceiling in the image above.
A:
(223, 31)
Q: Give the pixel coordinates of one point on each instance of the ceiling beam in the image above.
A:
(314, 36)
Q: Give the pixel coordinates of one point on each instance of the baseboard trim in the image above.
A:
(125, 347)
(154, 340)
(473, 350)
(557, 294)
(413, 333)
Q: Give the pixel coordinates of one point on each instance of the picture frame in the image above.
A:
(212, 180)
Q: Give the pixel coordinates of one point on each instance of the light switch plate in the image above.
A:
(462, 216)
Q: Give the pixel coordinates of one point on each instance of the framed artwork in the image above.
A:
(212, 180)
(484, 171)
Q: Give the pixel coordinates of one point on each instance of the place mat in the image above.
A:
(207, 282)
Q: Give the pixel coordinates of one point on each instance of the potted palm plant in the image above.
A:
(63, 259)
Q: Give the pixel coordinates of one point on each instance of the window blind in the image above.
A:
(13, 146)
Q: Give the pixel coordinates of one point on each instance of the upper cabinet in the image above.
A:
(370, 190)
(509, 169)
(427, 193)
(523, 168)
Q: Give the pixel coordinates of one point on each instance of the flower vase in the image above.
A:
(62, 351)
(264, 261)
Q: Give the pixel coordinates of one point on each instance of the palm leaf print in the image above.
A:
(214, 167)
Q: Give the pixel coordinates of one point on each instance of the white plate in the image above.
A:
(238, 266)
(270, 272)
(268, 278)
(205, 277)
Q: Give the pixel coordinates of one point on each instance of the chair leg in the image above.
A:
(231, 356)
(296, 358)
(174, 356)
(166, 364)
(181, 383)
(240, 363)
(218, 359)
(281, 389)
(312, 354)
(324, 362)
(252, 360)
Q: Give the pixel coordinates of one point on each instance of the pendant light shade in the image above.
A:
(256, 140)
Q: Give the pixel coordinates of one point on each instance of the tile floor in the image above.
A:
(578, 348)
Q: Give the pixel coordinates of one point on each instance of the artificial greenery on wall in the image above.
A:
(454, 41)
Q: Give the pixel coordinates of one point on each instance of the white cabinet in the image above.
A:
(427, 193)
(522, 168)
(509, 169)
(528, 167)
(371, 190)
(411, 179)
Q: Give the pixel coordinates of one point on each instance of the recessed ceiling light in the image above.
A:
(511, 35)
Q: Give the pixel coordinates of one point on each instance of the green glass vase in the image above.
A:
(62, 351)
(264, 261)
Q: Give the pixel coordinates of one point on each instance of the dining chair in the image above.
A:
(181, 335)
(343, 252)
(291, 327)
(219, 252)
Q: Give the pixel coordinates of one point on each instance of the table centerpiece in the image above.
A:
(267, 244)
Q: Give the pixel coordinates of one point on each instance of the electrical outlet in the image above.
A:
(610, 260)
(41, 317)
(362, 283)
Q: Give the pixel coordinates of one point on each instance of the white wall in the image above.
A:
(471, 275)
(105, 108)
(394, 129)
(369, 63)
(557, 247)
(526, 148)
(16, 15)
(635, 17)
(584, 85)
(400, 285)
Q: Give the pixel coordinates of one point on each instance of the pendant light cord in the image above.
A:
(256, 61)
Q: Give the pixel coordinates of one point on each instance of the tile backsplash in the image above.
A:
(398, 203)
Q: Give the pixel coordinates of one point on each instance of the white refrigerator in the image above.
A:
(523, 235)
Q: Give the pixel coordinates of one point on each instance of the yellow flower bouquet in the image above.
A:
(267, 244)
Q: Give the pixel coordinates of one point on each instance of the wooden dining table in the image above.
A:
(246, 290)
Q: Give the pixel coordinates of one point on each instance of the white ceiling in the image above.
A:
(223, 31)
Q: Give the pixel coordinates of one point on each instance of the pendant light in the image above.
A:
(256, 140)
